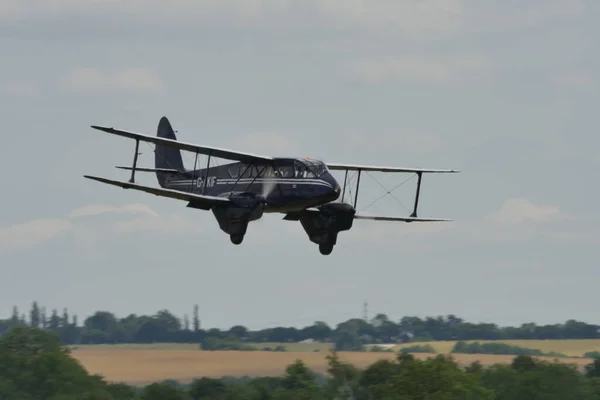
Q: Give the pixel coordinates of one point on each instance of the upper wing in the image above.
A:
(356, 167)
(143, 169)
(402, 219)
(199, 201)
(212, 151)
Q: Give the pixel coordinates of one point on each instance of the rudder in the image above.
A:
(166, 157)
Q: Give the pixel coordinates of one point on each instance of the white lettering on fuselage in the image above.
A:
(210, 181)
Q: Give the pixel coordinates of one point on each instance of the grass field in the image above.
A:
(141, 364)
(576, 348)
(141, 367)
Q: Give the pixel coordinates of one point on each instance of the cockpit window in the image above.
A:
(299, 168)
(317, 168)
(302, 171)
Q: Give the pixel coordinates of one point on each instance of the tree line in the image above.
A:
(35, 365)
(105, 327)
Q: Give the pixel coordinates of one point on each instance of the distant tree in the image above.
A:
(54, 322)
(168, 321)
(14, 319)
(43, 318)
(238, 331)
(196, 319)
(64, 322)
(103, 321)
(318, 331)
(347, 338)
(34, 315)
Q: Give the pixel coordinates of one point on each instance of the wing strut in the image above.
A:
(206, 175)
(135, 157)
(194, 173)
(357, 186)
(345, 180)
(414, 213)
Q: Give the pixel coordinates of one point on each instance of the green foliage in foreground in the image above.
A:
(34, 365)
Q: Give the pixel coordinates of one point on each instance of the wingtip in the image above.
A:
(101, 128)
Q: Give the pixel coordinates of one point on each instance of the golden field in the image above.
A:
(142, 366)
(574, 348)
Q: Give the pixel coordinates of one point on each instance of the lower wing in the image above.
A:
(401, 219)
(199, 201)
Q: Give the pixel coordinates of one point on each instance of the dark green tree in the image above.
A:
(34, 315)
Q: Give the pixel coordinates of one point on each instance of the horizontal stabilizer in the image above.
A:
(357, 167)
(140, 169)
(206, 150)
(199, 201)
(402, 219)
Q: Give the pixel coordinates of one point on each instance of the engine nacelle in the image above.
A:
(233, 218)
(322, 227)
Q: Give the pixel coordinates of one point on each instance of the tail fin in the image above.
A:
(166, 157)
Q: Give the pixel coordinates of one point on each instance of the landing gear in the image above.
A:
(236, 239)
(326, 248)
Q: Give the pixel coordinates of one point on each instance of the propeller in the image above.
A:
(269, 184)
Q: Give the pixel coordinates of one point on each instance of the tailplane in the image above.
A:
(166, 157)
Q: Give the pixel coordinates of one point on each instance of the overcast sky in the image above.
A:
(505, 91)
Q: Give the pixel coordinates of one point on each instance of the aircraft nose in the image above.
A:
(335, 187)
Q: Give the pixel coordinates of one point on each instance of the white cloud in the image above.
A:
(174, 224)
(423, 69)
(29, 234)
(98, 209)
(123, 80)
(87, 232)
(517, 221)
(18, 88)
(518, 211)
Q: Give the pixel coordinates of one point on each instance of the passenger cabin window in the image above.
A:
(234, 171)
(253, 171)
(286, 171)
(248, 171)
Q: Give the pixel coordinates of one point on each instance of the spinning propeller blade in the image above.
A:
(269, 183)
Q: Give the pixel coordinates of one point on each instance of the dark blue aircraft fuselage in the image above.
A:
(290, 184)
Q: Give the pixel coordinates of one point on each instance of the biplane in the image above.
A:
(243, 190)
